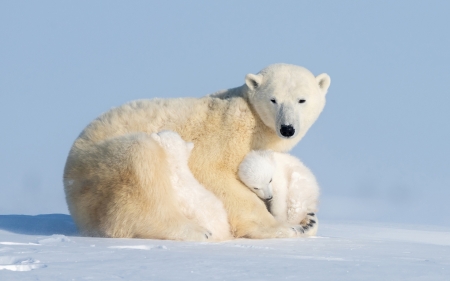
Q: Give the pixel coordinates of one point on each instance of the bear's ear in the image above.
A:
(323, 80)
(253, 81)
(190, 146)
(156, 137)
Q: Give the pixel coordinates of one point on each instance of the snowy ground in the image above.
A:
(46, 247)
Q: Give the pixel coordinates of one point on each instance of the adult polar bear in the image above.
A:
(117, 186)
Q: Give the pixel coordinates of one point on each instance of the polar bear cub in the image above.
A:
(288, 187)
(195, 202)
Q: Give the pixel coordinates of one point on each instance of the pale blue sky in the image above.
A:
(380, 150)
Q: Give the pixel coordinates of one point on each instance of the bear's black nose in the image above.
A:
(287, 130)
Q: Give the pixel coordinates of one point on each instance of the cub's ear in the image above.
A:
(323, 80)
(156, 137)
(253, 81)
(190, 145)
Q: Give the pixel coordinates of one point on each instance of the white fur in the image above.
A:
(287, 85)
(117, 181)
(294, 187)
(195, 202)
(285, 93)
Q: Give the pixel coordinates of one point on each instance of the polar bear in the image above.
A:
(194, 201)
(111, 176)
(289, 188)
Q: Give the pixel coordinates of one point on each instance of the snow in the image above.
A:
(48, 247)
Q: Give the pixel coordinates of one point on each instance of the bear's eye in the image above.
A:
(255, 188)
(301, 101)
(270, 181)
(274, 101)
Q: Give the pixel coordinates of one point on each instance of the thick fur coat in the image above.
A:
(286, 184)
(195, 202)
(117, 180)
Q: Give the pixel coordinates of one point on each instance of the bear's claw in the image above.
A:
(309, 223)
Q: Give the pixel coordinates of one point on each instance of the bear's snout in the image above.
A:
(287, 131)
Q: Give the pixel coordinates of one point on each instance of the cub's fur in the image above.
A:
(286, 184)
(115, 155)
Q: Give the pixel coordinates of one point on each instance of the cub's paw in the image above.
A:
(193, 232)
(299, 229)
(310, 224)
(289, 231)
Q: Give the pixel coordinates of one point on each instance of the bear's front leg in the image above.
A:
(247, 214)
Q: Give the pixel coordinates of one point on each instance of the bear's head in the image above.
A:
(175, 147)
(256, 172)
(287, 98)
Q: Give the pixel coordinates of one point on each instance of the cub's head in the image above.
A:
(174, 146)
(256, 172)
(287, 98)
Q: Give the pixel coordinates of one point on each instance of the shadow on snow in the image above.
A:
(39, 225)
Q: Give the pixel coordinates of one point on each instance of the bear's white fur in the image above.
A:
(118, 185)
(194, 201)
(288, 186)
